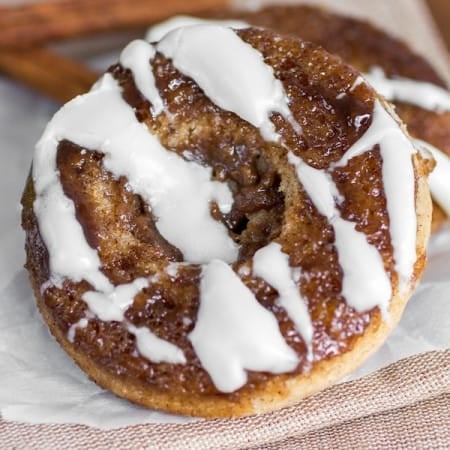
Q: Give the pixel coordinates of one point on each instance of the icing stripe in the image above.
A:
(272, 265)
(399, 185)
(427, 96)
(231, 73)
(439, 179)
(82, 323)
(74, 256)
(419, 93)
(154, 348)
(234, 333)
(137, 56)
(365, 283)
(112, 306)
(158, 31)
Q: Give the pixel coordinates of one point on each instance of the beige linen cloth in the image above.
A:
(406, 405)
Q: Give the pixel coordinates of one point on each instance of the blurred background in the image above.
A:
(441, 14)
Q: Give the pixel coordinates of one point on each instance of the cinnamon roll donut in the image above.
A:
(227, 222)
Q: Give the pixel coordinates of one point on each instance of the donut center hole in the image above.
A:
(257, 213)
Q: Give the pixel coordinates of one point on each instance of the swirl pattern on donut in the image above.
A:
(218, 227)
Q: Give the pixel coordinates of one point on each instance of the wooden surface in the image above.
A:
(441, 13)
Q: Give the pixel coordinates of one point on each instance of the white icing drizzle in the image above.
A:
(399, 185)
(427, 96)
(137, 56)
(82, 323)
(45, 286)
(272, 265)
(172, 269)
(158, 31)
(419, 93)
(365, 283)
(439, 179)
(234, 333)
(359, 80)
(249, 88)
(56, 215)
(154, 348)
(112, 305)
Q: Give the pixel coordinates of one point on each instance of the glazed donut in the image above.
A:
(229, 221)
(419, 94)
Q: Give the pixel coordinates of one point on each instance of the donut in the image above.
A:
(228, 222)
(403, 77)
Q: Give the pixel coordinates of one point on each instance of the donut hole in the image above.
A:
(258, 209)
(241, 225)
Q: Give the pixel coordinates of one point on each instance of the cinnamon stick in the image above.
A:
(49, 73)
(35, 24)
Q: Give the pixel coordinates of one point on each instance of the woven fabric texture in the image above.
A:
(422, 425)
(378, 411)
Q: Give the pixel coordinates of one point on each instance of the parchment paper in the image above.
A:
(39, 383)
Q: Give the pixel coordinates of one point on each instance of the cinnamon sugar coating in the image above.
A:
(268, 206)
